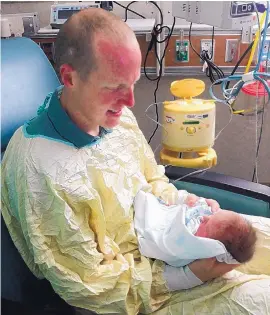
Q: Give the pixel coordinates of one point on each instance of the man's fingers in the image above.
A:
(213, 204)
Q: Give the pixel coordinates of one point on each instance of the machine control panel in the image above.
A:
(191, 130)
(61, 12)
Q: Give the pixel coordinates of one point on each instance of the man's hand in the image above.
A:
(209, 268)
(192, 199)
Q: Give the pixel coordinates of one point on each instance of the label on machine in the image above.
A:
(196, 116)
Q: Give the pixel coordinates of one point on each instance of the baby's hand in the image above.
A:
(213, 204)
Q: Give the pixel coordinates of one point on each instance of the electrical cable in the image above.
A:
(151, 42)
(259, 77)
(190, 42)
(257, 38)
(213, 72)
(247, 77)
(258, 141)
(124, 7)
(127, 8)
(264, 35)
(256, 132)
(242, 58)
(159, 78)
(153, 2)
(255, 76)
(262, 121)
(157, 30)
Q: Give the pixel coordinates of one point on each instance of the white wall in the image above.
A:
(143, 7)
(43, 9)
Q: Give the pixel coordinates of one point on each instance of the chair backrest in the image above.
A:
(27, 77)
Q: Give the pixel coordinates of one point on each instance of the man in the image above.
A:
(70, 176)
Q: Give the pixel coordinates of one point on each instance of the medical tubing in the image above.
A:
(264, 37)
(257, 76)
(242, 58)
(262, 121)
(258, 34)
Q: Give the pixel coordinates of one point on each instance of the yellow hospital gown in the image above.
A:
(69, 212)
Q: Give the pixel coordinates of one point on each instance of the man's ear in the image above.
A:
(67, 75)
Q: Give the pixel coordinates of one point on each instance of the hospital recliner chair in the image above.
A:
(27, 77)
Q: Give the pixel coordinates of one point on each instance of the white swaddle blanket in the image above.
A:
(162, 234)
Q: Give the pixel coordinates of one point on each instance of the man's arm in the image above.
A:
(61, 233)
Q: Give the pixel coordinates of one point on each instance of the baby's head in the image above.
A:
(233, 230)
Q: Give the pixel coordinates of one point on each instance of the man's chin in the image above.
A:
(112, 123)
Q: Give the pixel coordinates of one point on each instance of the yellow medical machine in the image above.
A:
(189, 127)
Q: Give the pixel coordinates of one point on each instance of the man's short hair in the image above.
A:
(75, 40)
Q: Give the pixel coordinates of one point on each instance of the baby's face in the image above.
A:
(214, 223)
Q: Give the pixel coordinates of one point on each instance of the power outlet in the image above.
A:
(247, 35)
(232, 50)
(182, 50)
(206, 45)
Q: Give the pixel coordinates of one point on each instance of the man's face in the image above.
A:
(111, 87)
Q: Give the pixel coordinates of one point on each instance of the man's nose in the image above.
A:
(129, 98)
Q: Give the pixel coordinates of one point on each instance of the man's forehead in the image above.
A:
(121, 61)
(117, 52)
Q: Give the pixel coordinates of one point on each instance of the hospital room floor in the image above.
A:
(236, 146)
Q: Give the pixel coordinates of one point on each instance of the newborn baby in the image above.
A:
(179, 234)
(228, 227)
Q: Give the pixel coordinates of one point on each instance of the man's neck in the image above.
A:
(75, 115)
